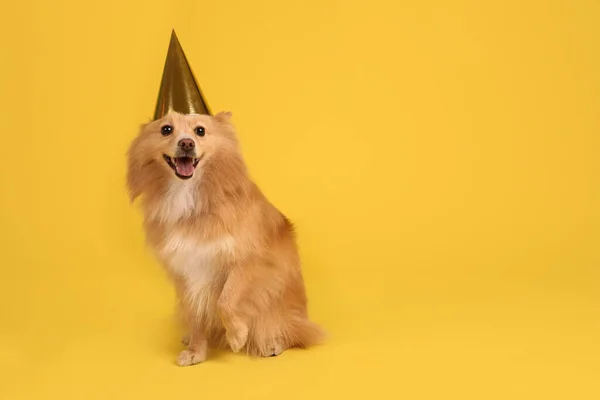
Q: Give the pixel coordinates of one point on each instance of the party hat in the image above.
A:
(179, 91)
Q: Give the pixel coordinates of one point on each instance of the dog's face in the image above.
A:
(178, 147)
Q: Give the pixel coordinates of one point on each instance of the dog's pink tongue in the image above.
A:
(185, 166)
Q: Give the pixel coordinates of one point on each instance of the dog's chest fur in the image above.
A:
(199, 265)
(193, 259)
(179, 201)
(195, 262)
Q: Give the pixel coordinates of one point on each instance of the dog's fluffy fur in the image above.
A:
(231, 254)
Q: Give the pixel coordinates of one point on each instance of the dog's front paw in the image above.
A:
(273, 350)
(237, 337)
(187, 357)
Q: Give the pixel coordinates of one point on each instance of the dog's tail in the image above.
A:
(305, 333)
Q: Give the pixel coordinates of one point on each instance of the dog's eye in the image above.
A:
(166, 130)
(200, 131)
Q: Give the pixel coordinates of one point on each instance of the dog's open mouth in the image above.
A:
(184, 167)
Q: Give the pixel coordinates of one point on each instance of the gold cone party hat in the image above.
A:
(179, 91)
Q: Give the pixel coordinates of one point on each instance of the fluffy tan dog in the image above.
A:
(231, 254)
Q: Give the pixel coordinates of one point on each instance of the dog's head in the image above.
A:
(177, 147)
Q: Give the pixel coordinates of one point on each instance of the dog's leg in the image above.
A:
(230, 310)
(195, 340)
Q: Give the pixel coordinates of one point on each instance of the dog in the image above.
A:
(231, 255)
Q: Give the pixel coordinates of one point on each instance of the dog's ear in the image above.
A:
(135, 176)
(134, 184)
(224, 117)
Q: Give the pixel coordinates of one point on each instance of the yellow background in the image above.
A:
(440, 160)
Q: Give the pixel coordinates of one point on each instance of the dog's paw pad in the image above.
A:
(187, 358)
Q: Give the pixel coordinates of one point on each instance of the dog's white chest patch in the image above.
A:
(179, 201)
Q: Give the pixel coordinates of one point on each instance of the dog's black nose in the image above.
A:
(186, 144)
